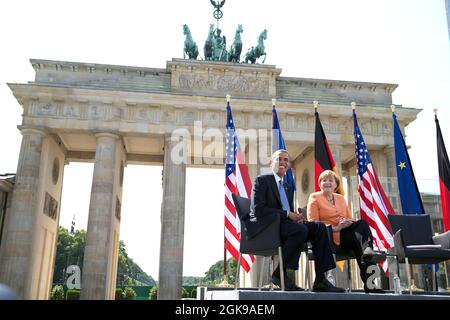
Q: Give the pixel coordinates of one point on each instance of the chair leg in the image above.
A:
(446, 275)
(349, 275)
(307, 282)
(238, 269)
(408, 271)
(280, 258)
(434, 277)
(261, 273)
(397, 283)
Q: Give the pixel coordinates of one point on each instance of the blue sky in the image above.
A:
(401, 41)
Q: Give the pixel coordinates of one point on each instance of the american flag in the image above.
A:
(373, 204)
(237, 181)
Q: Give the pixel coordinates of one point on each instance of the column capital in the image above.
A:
(24, 129)
(389, 149)
(106, 134)
(336, 147)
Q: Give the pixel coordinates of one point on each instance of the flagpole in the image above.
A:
(411, 279)
(224, 282)
(316, 105)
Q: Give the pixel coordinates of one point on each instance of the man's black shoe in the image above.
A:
(374, 290)
(372, 256)
(289, 285)
(325, 286)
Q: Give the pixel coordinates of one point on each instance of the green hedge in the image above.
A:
(73, 295)
(57, 293)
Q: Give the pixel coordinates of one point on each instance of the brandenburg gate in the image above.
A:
(117, 115)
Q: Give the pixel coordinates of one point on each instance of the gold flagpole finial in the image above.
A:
(353, 104)
(435, 110)
(274, 102)
(316, 105)
(228, 97)
(393, 108)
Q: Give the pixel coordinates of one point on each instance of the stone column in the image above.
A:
(95, 284)
(16, 253)
(336, 151)
(389, 152)
(172, 225)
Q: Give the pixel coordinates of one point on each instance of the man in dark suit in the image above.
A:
(270, 198)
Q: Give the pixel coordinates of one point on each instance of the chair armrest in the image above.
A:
(399, 246)
(443, 239)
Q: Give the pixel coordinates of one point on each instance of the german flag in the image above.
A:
(323, 158)
(444, 176)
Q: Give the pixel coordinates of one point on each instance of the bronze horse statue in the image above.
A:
(234, 54)
(209, 44)
(190, 47)
(258, 51)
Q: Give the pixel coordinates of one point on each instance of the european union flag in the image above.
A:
(407, 186)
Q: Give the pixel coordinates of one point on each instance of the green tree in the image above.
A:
(70, 251)
(194, 281)
(129, 294)
(153, 293)
(215, 273)
(119, 294)
(128, 272)
(184, 293)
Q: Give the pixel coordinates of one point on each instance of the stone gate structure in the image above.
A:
(114, 115)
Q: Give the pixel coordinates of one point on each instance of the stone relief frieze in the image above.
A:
(142, 114)
(333, 125)
(71, 111)
(366, 127)
(325, 124)
(300, 122)
(239, 120)
(257, 121)
(386, 127)
(50, 206)
(119, 113)
(46, 109)
(168, 116)
(211, 118)
(146, 114)
(224, 83)
(96, 112)
(345, 126)
(188, 117)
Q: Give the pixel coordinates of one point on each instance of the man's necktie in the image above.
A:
(283, 197)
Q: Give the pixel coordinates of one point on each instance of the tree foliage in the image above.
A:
(57, 293)
(153, 293)
(215, 273)
(70, 251)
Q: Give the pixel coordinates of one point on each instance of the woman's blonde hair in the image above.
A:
(328, 173)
